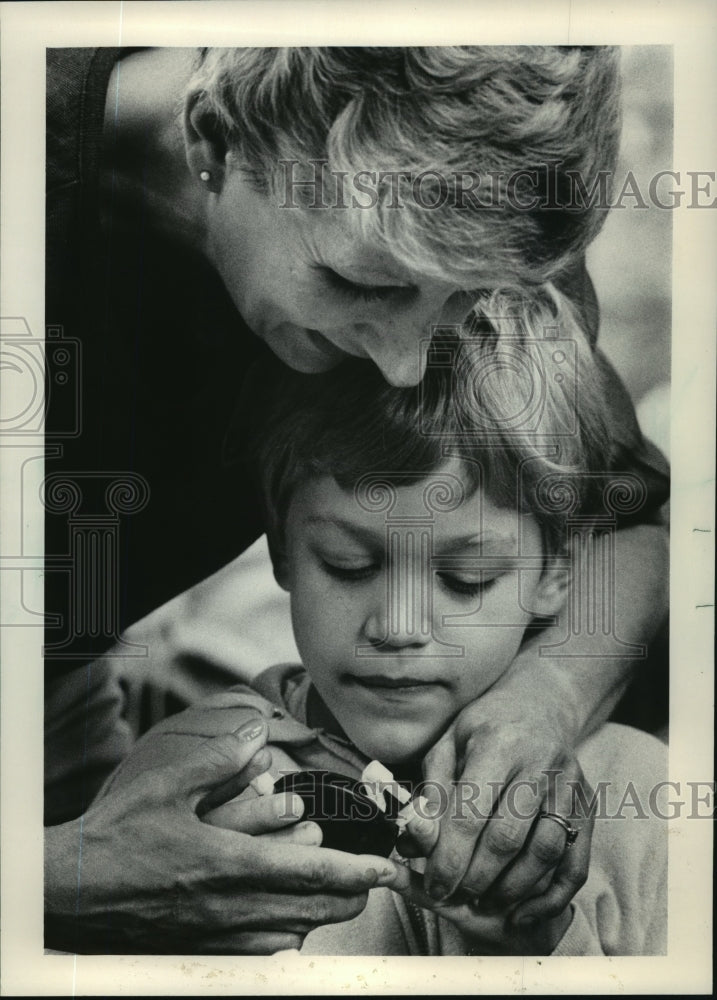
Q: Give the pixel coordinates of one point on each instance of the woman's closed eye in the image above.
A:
(350, 572)
(364, 293)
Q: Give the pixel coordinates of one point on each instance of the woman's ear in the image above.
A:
(281, 574)
(552, 588)
(280, 564)
(204, 143)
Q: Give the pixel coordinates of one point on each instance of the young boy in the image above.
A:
(420, 533)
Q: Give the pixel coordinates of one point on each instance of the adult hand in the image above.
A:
(502, 763)
(494, 933)
(141, 873)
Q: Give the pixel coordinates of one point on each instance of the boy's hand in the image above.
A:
(498, 850)
(140, 872)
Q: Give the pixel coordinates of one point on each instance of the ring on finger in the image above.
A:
(570, 831)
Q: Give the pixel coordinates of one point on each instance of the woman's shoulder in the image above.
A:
(76, 82)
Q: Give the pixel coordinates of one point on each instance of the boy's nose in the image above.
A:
(401, 616)
(378, 633)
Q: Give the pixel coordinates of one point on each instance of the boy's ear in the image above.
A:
(552, 589)
(204, 143)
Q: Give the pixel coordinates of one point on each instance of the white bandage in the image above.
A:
(402, 794)
(377, 779)
(376, 774)
(263, 784)
(374, 793)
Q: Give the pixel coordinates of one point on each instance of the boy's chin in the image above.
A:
(395, 752)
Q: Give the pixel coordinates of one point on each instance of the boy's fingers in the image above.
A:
(259, 814)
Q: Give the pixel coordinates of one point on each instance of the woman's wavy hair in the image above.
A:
(526, 119)
(516, 395)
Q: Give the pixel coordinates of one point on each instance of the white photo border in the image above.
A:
(691, 28)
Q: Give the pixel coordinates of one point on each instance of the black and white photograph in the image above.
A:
(358, 498)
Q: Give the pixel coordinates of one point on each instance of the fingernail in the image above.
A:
(524, 921)
(372, 875)
(438, 891)
(251, 730)
(386, 876)
(312, 832)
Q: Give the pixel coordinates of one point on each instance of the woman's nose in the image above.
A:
(401, 350)
(401, 366)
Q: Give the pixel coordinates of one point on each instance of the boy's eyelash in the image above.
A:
(463, 587)
(451, 583)
(364, 293)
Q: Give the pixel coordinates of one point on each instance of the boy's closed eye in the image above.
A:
(457, 585)
(466, 587)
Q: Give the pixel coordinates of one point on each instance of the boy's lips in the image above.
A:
(382, 682)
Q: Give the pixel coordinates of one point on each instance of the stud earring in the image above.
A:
(205, 175)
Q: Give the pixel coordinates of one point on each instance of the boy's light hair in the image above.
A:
(348, 423)
(495, 114)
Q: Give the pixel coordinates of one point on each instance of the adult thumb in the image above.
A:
(219, 760)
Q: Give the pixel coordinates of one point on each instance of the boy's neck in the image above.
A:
(319, 716)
